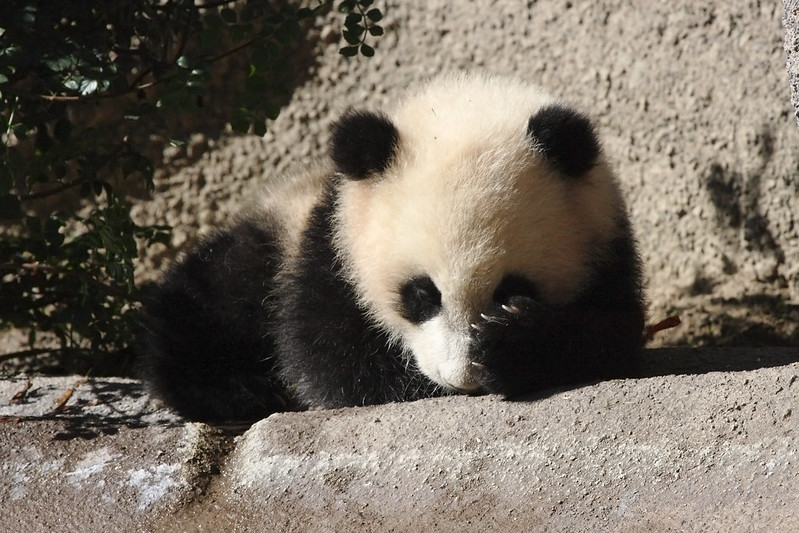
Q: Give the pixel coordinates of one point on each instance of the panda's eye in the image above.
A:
(420, 299)
(513, 285)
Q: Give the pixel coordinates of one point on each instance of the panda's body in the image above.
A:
(473, 240)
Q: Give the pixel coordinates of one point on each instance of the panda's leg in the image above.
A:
(523, 345)
(206, 347)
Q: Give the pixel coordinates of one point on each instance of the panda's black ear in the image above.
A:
(363, 143)
(565, 138)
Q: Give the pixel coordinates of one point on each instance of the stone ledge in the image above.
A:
(702, 450)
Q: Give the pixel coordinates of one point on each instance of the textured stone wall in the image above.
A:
(691, 100)
(790, 22)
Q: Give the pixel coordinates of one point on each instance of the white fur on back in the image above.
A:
(286, 203)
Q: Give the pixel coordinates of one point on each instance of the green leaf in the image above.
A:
(375, 15)
(73, 83)
(60, 64)
(376, 31)
(353, 19)
(348, 51)
(271, 109)
(88, 87)
(346, 6)
(259, 128)
(367, 50)
(351, 38)
(240, 121)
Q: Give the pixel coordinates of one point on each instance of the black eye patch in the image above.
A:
(420, 299)
(513, 285)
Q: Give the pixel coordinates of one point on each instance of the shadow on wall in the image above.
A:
(736, 199)
(756, 320)
(747, 236)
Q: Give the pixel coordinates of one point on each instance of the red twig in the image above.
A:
(666, 323)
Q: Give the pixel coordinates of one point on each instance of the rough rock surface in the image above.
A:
(686, 447)
(790, 22)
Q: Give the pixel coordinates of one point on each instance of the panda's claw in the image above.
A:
(512, 309)
(476, 327)
(493, 319)
(478, 366)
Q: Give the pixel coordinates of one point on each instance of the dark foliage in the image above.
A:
(76, 78)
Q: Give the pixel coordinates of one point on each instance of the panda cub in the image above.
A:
(472, 240)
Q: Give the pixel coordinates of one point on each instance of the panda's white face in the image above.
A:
(467, 211)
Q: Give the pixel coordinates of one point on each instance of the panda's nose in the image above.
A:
(460, 379)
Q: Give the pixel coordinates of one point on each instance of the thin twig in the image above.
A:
(61, 403)
(20, 394)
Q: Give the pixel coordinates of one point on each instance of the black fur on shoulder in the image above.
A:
(331, 353)
(206, 345)
(363, 143)
(566, 139)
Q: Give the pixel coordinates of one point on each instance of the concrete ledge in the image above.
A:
(702, 451)
(89, 455)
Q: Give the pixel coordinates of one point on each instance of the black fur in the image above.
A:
(232, 334)
(529, 345)
(363, 144)
(223, 343)
(331, 354)
(566, 138)
(206, 343)
(420, 299)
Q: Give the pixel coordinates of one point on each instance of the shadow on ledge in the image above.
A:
(88, 408)
(670, 361)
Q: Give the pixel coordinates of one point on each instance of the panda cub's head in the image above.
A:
(473, 190)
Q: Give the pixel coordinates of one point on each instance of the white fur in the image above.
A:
(285, 204)
(467, 201)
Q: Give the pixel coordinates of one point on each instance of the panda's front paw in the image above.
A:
(506, 351)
